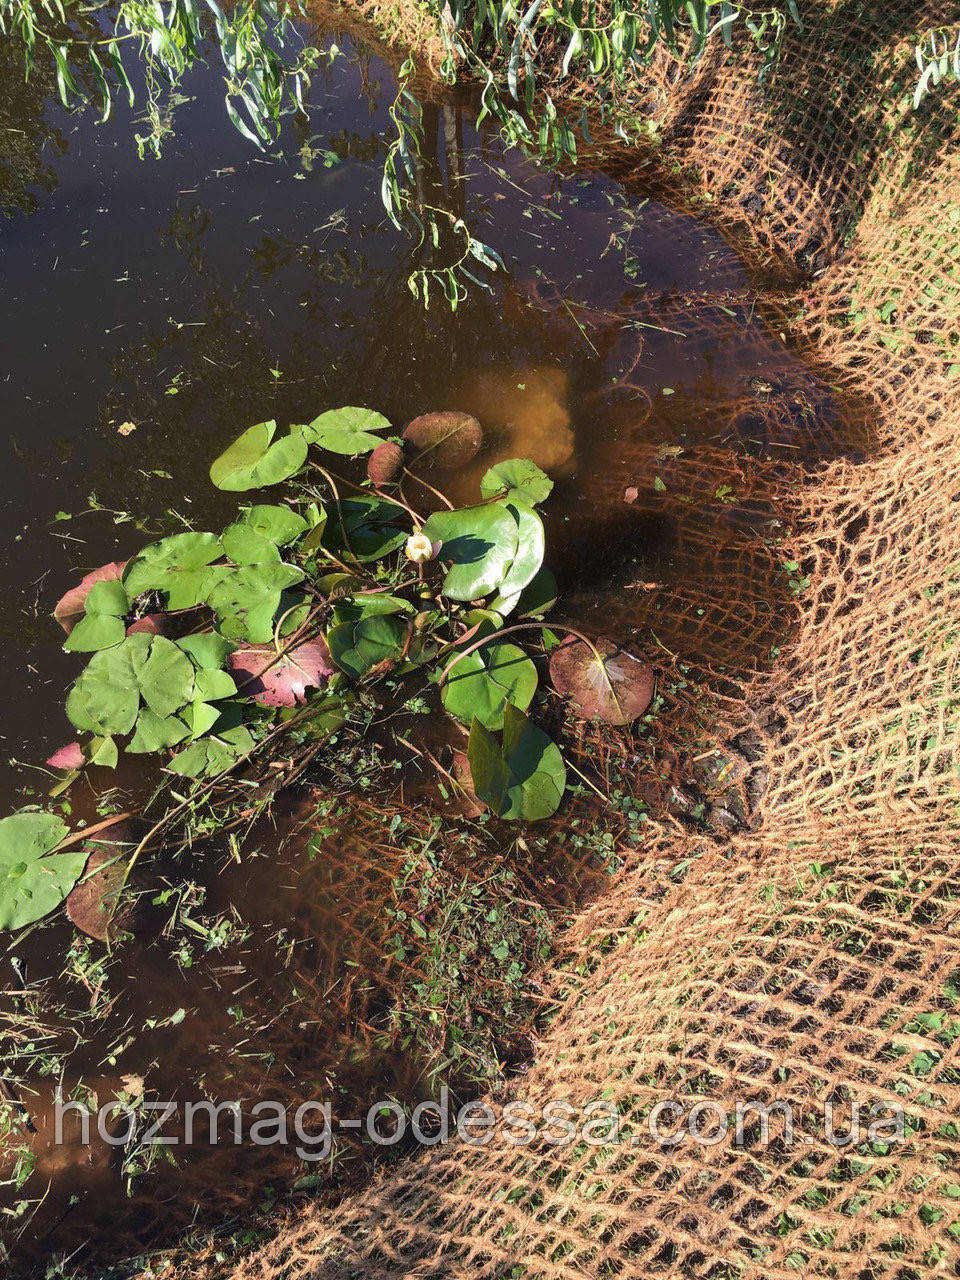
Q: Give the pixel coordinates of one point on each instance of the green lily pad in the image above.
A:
(347, 431)
(279, 524)
(246, 600)
(103, 751)
(198, 717)
(531, 545)
(521, 775)
(106, 697)
(33, 879)
(102, 624)
(376, 604)
(108, 598)
(480, 543)
(244, 545)
(363, 528)
(166, 677)
(177, 566)
(256, 460)
(484, 681)
(96, 631)
(210, 755)
(517, 480)
(214, 685)
(153, 732)
(208, 650)
(358, 646)
(537, 597)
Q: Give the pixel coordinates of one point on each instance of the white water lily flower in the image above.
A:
(419, 548)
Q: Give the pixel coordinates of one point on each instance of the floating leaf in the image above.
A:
(106, 697)
(213, 685)
(522, 775)
(253, 462)
(33, 879)
(166, 677)
(484, 681)
(466, 797)
(244, 545)
(177, 566)
(357, 647)
(154, 733)
(209, 756)
(611, 684)
(68, 757)
(363, 528)
(531, 545)
(94, 632)
(376, 604)
(480, 543)
(446, 440)
(70, 607)
(279, 524)
(536, 599)
(347, 431)
(517, 479)
(385, 464)
(246, 600)
(209, 650)
(103, 751)
(92, 902)
(199, 717)
(102, 623)
(283, 681)
(336, 585)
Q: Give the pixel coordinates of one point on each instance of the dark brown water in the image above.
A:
(622, 348)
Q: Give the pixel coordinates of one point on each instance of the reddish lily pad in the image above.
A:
(467, 800)
(151, 624)
(285, 684)
(385, 464)
(448, 439)
(68, 757)
(92, 903)
(614, 687)
(70, 607)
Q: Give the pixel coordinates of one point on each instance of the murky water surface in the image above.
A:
(150, 311)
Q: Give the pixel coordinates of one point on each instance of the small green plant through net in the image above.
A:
(218, 652)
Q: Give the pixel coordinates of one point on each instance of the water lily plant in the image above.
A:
(205, 647)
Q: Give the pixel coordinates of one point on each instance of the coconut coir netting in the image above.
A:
(817, 958)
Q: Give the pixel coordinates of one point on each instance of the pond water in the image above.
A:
(150, 311)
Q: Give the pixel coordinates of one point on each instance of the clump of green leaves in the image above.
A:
(206, 647)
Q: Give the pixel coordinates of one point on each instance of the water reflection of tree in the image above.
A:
(347, 329)
(25, 132)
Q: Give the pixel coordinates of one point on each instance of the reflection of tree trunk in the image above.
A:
(439, 179)
(430, 175)
(453, 154)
